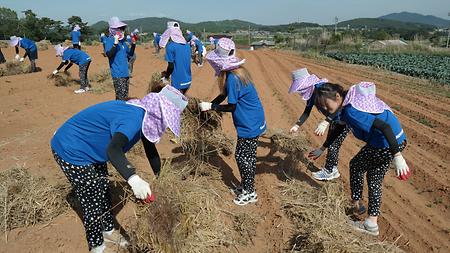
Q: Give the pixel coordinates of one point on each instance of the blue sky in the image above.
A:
(258, 11)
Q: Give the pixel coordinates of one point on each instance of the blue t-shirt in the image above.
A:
(361, 123)
(157, 39)
(189, 36)
(75, 37)
(28, 44)
(85, 137)
(76, 56)
(180, 56)
(199, 46)
(248, 116)
(119, 64)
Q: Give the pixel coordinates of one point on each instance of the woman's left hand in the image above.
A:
(204, 106)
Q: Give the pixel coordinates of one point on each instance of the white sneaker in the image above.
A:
(98, 249)
(245, 198)
(79, 91)
(324, 175)
(366, 227)
(115, 237)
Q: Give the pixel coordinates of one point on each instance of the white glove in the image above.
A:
(401, 168)
(22, 59)
(164, 80)
(204, 106)
(141, 189)
(294, 129)
(321, 128)
(315, 153)
(55, 72)
(17, 57)
(102, 34)
(116, 39)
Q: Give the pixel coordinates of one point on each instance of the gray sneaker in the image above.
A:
(324, 175)
(363, 226)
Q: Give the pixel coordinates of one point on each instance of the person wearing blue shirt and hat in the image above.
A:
(30, 47)
(118, 53)
(236, 83)
(69, 57)
(75, 35)
(156, 40)
(178, 57)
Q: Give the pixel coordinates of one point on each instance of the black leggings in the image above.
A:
(333, 150)
(121, 87)
(246, 161)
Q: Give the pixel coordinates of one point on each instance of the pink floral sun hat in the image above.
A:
(303, 83)
(363, 97)
(173, 33)
(60, 50)
(223, 58)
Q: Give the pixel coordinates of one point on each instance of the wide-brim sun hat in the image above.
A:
(362, 96)
(173, 24)
(14, 41)
(114, 22)
(175, 34)
(303, 83)
(223, 58)
(60, 50)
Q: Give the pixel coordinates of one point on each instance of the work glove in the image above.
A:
(22, 59)
(55, 72)
(315, 154)
(141, 189)
(164, 80)
(116, 39)
(294, 129)
(204, 106)
(17, 57)
(401, 168)
(134, 38)
(321, 128)
(102, 34)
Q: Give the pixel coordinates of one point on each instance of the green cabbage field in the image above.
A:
(433, 67)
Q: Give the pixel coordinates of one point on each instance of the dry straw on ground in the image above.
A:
(201, 132)
(322, 225)
(63, 79)
(185, 217)
(14, 68)
(27, 200)
(101, 82)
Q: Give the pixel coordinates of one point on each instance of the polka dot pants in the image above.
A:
(121, 87)
(84, 75)
(246, 161)
(375, 162)
(333, 150)
(91, 187)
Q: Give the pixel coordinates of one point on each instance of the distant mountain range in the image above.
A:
(403, 20)
(153, 24)
(418, 18)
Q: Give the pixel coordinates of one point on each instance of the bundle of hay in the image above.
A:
(155, 84)
(102, 76)
(14, 68)
(292, 145)
(43, 45)
(27, 200)
(201, 132)
(322, 225)
(62, 79)
(4, 44)
(185, 216)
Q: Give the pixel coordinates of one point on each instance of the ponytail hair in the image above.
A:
(328, 90)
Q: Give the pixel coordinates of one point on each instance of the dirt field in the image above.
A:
(416, 212)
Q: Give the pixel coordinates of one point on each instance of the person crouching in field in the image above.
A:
(178, 57)
(30, 48)
(105, 132)
(69, 57)
(199, 50)
(372, 121)
(305, 84)
(118, 52)
(236, 83)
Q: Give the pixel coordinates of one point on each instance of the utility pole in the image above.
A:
(336, 20)
(249, 37)
(448, 36)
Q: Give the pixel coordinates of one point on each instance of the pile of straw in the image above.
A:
(101, 82)
(185, 217)
(322, 225)
(27, 200)
(14, 68)
(201, 132)
(63, 79)
(43, 45)
(245, 225)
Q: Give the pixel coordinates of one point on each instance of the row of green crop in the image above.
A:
(431, 67)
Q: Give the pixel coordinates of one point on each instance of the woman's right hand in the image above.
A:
(141, 188)
(294, 129)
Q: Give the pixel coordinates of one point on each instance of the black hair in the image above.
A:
(328, 90)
